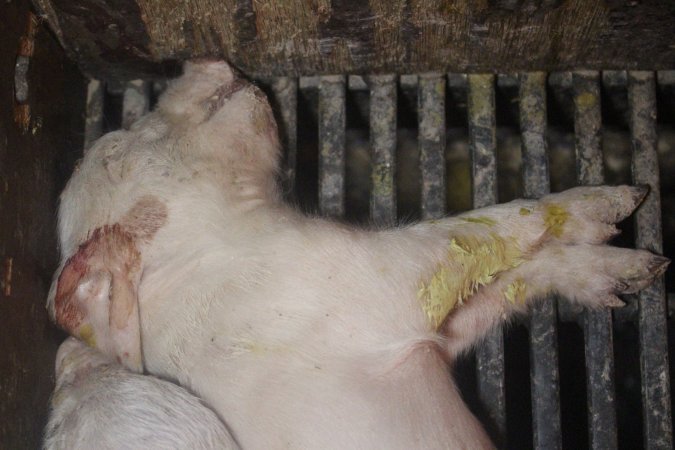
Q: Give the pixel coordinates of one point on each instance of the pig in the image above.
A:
(180, 258)
(100, 404)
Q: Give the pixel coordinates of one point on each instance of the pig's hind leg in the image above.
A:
(574, 216)
(568, 258)
(592, 275)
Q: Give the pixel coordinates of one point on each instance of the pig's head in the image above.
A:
(209, 151)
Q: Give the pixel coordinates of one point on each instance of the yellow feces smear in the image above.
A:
(515, 292)
(555, 217)
(471, 262)
(86, 333)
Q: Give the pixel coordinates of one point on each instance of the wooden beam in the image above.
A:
(140, 38)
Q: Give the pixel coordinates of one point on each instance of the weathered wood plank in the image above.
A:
(37, 153)
(137, 38)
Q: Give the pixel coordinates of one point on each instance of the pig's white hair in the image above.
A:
(100, 405)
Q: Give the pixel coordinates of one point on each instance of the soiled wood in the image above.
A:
(137, 38)
(37, 154)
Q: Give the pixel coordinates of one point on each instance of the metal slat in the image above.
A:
(93, 126)
(285, 91)
(135, 102)
(656, 411)
(598, 342)
(588, 127)
(543, 327)
(332, 145)
(383, 148)
(483, 144)
(431, 118)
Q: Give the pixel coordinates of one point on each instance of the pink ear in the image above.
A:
(97, 295)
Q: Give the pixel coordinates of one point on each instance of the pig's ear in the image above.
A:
(96, 296)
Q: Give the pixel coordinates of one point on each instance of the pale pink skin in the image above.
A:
(304, 333)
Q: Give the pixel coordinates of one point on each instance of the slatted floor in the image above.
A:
(430, 91)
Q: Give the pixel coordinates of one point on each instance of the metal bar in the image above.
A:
(332, 145)
(358, 82)
(614, 78)
(158, 87)
(93, 127)
(665, 77)
(597, 325)
(383, 145)
(536, 181)
(135, 102)
(656, 410)
(483, 144)
(431, 118)
(588, 128)
(483, 140)
(285, 91)
(543, 326)
(455, 80)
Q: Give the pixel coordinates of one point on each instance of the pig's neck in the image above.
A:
(208, 273)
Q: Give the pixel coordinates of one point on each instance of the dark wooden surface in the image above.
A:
(137, 38)
(36, 155)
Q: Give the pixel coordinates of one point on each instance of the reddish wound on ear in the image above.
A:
(107, 247)
(68, 314)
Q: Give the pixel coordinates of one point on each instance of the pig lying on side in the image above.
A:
(180, 257)
(98, 404)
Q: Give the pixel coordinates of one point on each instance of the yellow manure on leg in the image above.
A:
(471, 262)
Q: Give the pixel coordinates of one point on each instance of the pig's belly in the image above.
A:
(281, 404)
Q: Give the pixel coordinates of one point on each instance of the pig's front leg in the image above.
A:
(497, 259)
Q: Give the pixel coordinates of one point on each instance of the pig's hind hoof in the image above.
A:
(587, 214)
(592, 275)
(619, 271)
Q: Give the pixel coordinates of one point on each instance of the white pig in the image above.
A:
(99, 404)
(180, 257)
